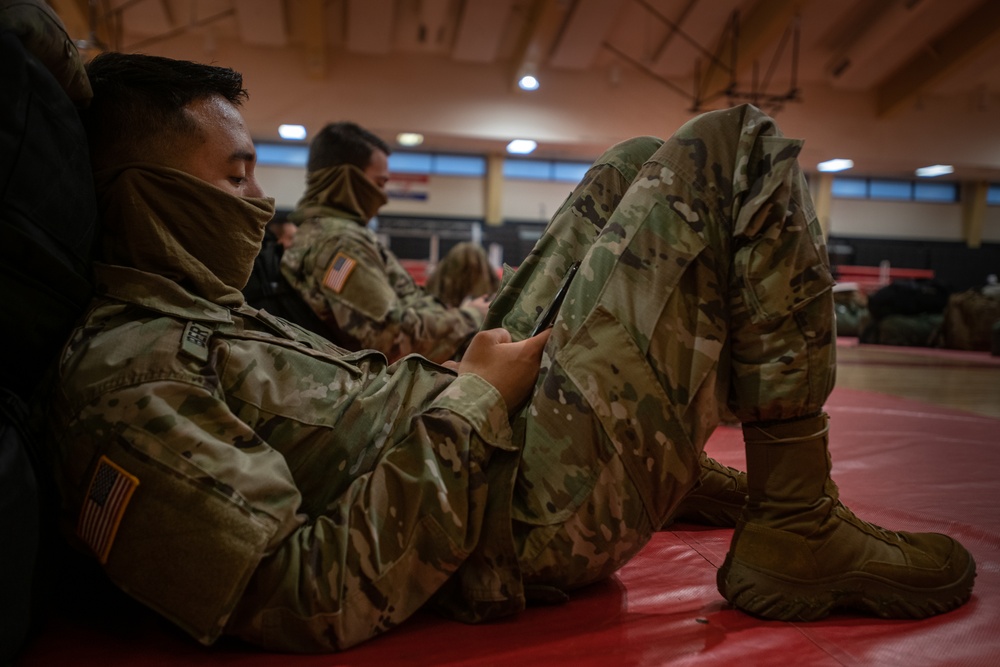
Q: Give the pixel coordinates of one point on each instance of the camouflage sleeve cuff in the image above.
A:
(479, 403)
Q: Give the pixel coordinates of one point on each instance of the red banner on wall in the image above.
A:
(408, 186)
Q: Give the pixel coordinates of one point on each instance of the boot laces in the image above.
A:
(875, 530)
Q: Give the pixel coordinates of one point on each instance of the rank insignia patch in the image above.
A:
(339, 271)
(110, 491)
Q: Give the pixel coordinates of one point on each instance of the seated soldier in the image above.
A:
(240, 475)
(464, 273)
(353, 283)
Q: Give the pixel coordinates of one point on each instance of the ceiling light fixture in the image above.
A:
(836, 164)
(528, 82)
(521, 146)
(935, 170)
(292, 132)
(409, 138)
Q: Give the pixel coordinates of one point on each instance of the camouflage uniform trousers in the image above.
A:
(703, 280)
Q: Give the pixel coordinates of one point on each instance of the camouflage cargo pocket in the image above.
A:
(780, 271)
(617, 408)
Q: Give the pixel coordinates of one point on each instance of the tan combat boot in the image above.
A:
(717, 500)
(798, 553)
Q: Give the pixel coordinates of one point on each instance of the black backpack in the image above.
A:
(268, 290)
(909, 297)
(48, 221)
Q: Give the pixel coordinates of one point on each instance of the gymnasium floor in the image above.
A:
(906, 463)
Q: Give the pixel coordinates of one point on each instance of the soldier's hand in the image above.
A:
(510, 367)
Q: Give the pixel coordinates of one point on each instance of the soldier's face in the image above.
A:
(377, 170)
(221, 152)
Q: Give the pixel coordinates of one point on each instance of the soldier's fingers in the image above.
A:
(496, 336)
(536, 343)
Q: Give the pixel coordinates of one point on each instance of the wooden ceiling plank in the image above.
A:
(480, 29)
(699, 26)
(672, 33)
(369, 26)
(588, 25)
(261, 22)
(946, 54)
(846, 68)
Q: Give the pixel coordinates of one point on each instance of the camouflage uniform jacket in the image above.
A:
(366, 298)
(248, 450)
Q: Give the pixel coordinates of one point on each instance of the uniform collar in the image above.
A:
(156, 293)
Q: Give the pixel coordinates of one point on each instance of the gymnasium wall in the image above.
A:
(908, 234)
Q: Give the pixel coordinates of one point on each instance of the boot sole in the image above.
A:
(773, 597)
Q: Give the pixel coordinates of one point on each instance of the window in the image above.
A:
(535, 170)
(545, 170)
(571, 172)
(410, 163)
(939, 192)
(282, 155)
(850, 188)
(437, 163)
(445, 164)
(896, 190)
(459, 165)
(885, 189)
(993, 195)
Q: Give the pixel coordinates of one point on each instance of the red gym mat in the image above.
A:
(899, 463)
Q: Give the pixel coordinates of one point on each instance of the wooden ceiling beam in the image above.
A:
(314, 38)
(541, 30)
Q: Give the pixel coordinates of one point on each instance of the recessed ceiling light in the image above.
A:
(294, 132)
(836, 164)
(409, 138)
(521, 146)
(935, 170)
(528, 82)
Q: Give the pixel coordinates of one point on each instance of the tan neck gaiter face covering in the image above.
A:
(170, 223)
(345, 189)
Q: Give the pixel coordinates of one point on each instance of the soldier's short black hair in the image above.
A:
(139, 100)
(343, 143)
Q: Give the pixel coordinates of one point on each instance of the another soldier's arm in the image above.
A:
(397, 322)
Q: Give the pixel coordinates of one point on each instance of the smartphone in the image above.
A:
(547, 317)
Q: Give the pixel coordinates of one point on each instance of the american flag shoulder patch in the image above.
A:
(109, 494)
(338, 272)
